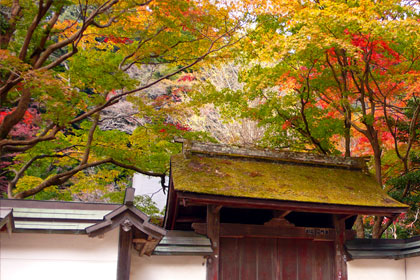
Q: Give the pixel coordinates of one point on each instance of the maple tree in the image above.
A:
(63, 62)
(333, 77)
(337, 77)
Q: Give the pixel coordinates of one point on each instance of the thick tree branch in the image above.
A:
(21, 172)
(63, 177)
(115, 99)
(13, 19)
(10, 145)
(42, 10)
(77, 35)
(16, 115)
(108, 24)
(61, 59)
(47, 32)
(307, 129)
(56, 179)
(90, 139)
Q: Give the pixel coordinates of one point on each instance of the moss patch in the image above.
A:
(271, 180)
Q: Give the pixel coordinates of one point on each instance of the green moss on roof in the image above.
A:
(272, 180)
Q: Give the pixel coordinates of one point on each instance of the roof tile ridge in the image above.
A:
(213, 149)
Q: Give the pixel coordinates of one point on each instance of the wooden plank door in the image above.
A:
(279, 259)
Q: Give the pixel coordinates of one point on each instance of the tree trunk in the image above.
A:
(347, 134)
(377, 229)
(377, 152)
(360, 229)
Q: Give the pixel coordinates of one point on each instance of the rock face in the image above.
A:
(120, 116)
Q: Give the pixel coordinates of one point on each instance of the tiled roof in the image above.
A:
(383, 248)
(55, 216)
(183, 243)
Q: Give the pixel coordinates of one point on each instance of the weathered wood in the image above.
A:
(241, 202)
(304, 258)
(266, 259)
(145, 246)
(129, 196)
(270, 258)
(141, 225)
(193, 147)
(229, 265)
(124, 252)
(189, 220)
(290, 261)
(249, 269)
(323, 260)
(281, 214)
(186, 146)
(6, 219)
(340, 253)
(279, 219)
(140, 240)
(241, 230)
(171, 205)
(213, 232)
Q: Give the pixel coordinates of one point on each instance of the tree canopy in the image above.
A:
(64, 62)
(333, 77)
(336, 77)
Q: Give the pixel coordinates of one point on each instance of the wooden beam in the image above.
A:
(282, 214)
(143, 250)
(213, 232)
(129, 196)
(187, 219)
(279, 219)
(171, 205)
(142, 240)
(124, 251)
(121, 219)
(241, 230)
(241, 202)
(344, 217)
(340, 253)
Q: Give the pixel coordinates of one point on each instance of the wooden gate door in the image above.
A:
(276, 259)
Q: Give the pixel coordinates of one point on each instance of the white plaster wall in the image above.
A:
(167, 267)
(413, 268)
(58, 256)
(376, 270)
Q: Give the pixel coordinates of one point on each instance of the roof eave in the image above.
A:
(46, 204)
(117, 217)
(383, 248)
(243, 202)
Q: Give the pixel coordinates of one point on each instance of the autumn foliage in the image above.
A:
(332, 77)
(65, 62)
(338, 77)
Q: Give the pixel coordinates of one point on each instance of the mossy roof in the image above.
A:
(236, 177)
